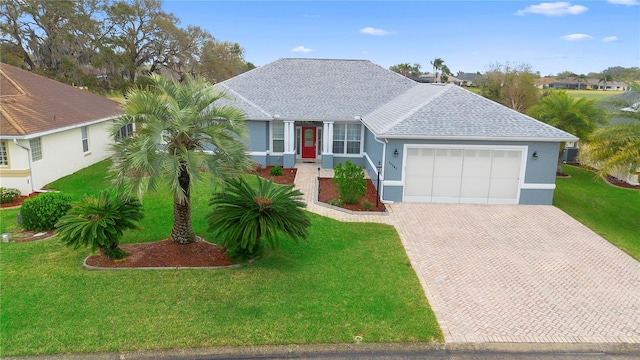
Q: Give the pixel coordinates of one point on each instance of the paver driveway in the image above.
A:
(515, 273)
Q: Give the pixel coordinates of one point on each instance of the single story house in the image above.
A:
(48, 129)
(430, 142)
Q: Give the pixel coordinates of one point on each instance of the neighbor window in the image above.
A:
(36, 149)
(124, 132)
(85, 139)
(346, 138)
(277, 136)
(4, 157)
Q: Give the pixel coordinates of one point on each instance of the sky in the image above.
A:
(470, 36)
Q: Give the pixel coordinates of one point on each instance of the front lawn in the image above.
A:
(348, 280)
(593, 94)
(609, 211)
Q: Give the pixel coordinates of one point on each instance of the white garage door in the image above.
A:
(469, 175)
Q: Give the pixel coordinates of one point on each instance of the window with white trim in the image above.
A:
(347, 138)
(4, 156)
(124, 132)
(85, 139)
(277, 136)
(36, 149)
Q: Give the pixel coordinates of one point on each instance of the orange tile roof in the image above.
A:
(31, 104)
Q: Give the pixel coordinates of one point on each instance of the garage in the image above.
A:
(477, 175)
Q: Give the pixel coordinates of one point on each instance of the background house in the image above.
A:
(429, 142)
(48, 129)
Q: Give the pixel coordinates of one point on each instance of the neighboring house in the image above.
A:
(590, 84)
(429, 78)
(48, 129)
(432, 142)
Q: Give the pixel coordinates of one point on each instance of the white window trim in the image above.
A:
(345, 154)
(85, 137)
(271, 138)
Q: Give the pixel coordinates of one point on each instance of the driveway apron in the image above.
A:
(519, 273)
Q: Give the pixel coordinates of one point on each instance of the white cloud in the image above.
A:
(577, 37)
(610, 39)
(624, 2)
(558, 8)
(302, 49)
(373, 31)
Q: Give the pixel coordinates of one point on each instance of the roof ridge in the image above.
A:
(414, 109)
(13, 122)
(245, 99)
(6, 76)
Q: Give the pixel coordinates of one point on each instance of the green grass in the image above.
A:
(593, 94)
(609, 211)
(347, 280)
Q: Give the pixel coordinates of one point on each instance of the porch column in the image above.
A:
(327, 138)
(289, 136)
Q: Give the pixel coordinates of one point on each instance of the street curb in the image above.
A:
(333, 350)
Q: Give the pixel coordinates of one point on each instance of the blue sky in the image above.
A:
(584, 36)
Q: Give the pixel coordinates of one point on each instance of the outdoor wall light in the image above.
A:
(535, 155)
(395, 152)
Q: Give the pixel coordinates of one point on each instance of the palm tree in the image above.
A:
(614, 147)
(242, 216)
(581, 78)
(100, 222)
(561, 110)
(180, 135)
(437, 65)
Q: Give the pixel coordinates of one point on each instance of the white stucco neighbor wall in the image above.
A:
(62, 155)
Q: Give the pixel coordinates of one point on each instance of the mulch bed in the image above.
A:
(328, 191)
(165, 253)
(18, 201)
(287, 178)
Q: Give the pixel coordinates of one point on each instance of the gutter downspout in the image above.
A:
(384, 160)
(15, 141)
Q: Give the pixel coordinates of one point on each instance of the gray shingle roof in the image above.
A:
(390, 105)
(449, 111)
(314, 89)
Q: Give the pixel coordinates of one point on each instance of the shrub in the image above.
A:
(276, 171)
(43, 211)
(366, 205)
(244, 218)
(100, 223)
(336, 202)
(349, 178)
(7, 195)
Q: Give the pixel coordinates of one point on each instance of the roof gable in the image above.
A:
(33, 104)
(314, 89)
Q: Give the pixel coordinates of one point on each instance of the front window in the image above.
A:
(85, 139)
(36, 149)
(4, 156)
(277, 136)
(346, 138)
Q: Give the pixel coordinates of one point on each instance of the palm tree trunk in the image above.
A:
(559, 168)
(182, 231)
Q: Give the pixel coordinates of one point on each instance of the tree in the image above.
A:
(445, 73)
(561, 110)
(406, 69)
(565, 75)
(437, 65)
(243, 217)
(604, 78)
(614, 147)
(181, 136)
(220, 61)
(580, 79)
(100, 222)
(510, 85)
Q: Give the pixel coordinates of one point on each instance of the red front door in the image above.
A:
(309, 142)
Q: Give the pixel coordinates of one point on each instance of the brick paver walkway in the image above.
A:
(511, 273)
